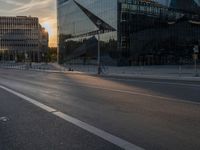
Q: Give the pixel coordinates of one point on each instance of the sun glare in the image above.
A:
(47, 27)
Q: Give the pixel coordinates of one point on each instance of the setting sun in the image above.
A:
(49, 24)
(47, 27)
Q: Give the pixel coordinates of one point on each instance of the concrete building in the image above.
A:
(22, 38)
(132, 32)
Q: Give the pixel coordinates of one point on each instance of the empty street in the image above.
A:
(147, 114)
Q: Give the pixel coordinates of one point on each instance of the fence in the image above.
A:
(162, 70)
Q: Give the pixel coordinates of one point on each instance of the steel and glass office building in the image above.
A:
(78, 25)
(131, 32)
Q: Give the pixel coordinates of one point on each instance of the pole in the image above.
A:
(38, 56)
(195, 55)
(99, 55)
(3, 57)
(195, 66)
(180, 67)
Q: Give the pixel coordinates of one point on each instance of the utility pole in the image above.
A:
(195, 55)
(99, 23)
(99, 55)
(1, 49)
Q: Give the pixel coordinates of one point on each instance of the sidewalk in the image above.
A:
(186, 73)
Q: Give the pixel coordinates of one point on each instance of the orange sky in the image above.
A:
(51, 26)
(44, 9)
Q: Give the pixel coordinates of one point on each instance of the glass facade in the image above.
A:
(132, 32)
(78, 28)
(154, 34)
(187, 5)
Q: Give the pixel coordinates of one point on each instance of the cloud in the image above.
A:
(33, 4)
(45, 10)
(12, 2)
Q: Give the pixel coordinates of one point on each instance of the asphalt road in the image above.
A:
(152, 114)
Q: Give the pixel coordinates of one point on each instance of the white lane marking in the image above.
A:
(45, 107)
(157, 82)
(105, 135)
(98, 132)
(137, 93)
(134, 80)
(128, 92)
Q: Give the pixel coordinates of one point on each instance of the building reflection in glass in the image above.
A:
(133, 32)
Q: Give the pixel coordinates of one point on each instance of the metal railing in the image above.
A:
(162, 70)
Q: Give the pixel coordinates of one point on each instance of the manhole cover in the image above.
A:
(4, 119)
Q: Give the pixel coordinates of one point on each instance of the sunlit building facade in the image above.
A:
(22, 37)
(132, 32)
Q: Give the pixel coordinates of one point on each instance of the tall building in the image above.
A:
(155, 34)
(185, 5)
(131, 31)
(22, 38)
(78, 25)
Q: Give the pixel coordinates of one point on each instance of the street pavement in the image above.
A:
(30, 128)
(152, 114)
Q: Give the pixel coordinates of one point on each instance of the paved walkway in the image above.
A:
(176, 72)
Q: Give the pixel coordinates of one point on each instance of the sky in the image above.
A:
(44, 9)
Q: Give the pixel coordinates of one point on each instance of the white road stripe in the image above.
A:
(45, 107)
(144, 81)
(98, 132)
(128, 92)
(157, 82)
(105, 135)
(138, 93)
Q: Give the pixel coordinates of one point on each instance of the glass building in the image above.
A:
(132, 32)
(79, 22)
(186, 5)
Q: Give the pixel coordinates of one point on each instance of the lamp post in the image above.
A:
(43, 57)
(1, 49)
(3, 56)
(99, 54)
(99, 23)
(196, 51)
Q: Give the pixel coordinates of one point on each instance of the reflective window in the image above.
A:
(75, 24)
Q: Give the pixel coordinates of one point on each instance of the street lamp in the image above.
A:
(43, 57)
(0, 48)
(99, 48)
(196, 51)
